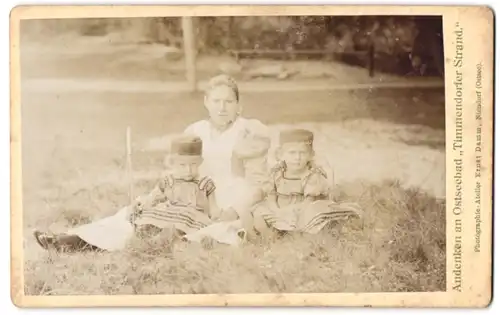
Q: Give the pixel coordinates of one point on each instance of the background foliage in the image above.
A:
(389, 34)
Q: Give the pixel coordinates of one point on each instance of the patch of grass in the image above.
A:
(399, 246)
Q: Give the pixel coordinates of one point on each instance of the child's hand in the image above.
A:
(133, 210)
(166, 181)
(156, 198)
(138, 205)
(207, 242)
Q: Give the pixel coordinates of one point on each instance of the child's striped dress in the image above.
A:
(303, 204)
(182, 204)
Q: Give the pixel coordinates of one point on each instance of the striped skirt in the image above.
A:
(184, 218)
(307, 218)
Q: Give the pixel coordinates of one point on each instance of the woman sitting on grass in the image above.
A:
(300, 196)
(221, 132)
(182, 202)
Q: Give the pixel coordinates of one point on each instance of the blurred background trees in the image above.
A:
(394, 38)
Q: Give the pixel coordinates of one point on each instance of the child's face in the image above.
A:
(296, 155)
(185, 167)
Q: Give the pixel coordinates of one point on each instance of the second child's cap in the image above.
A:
(296, 135)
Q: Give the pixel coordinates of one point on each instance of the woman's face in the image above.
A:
(222, 105)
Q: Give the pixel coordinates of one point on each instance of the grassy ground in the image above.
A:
(386, 146)
(401, 247)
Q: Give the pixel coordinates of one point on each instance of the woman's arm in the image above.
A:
(257, 127)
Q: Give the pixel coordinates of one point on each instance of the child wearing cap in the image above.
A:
(181, 201)
(299, 198)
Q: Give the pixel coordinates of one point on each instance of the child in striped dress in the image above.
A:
(299, 196)
(182, 201)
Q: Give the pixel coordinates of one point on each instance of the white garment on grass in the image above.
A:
(110, 233)
(230, 232)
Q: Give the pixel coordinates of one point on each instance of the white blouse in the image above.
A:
(217, 151)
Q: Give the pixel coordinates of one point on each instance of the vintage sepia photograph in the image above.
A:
(240, 154)
(244, 154)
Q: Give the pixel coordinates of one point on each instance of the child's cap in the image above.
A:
(296, 135)
(186, 145)
(252, 146)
